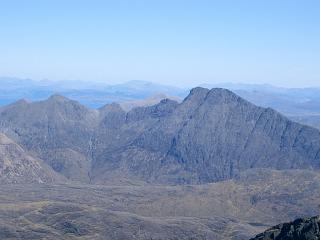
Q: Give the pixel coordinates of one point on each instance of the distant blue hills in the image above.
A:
(300, 104)
(91, 94)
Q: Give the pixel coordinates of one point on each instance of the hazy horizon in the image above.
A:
(173, 84)
(181, 43)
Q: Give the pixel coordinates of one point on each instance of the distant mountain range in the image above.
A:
(299, 104)
(91, 94)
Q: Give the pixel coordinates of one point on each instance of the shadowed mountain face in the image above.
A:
(300, 229)
(211, 136)
(57, 130)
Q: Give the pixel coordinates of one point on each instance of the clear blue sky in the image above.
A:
(177, 42)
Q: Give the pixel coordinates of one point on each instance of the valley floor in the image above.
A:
(234, 209)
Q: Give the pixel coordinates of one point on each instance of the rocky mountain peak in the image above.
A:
(112, 107)
(197, 93)
(18, 104)
(68, 108)
(58, 98)
(112, 115)
(222, 94)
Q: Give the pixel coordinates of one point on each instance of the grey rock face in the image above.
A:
(300, 229)
(16, 166)
(225, 135)
(211, 136)
(57, 130)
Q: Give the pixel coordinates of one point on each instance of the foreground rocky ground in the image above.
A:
(233, 209)
(300, 229)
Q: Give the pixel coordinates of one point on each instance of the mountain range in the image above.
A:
(212, 166)
(299, 104)
(89, 93)
(212, 135)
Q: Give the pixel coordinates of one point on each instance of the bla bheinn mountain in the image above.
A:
(212, 135)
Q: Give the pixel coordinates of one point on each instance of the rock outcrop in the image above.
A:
(16, 166)
(300, 229)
